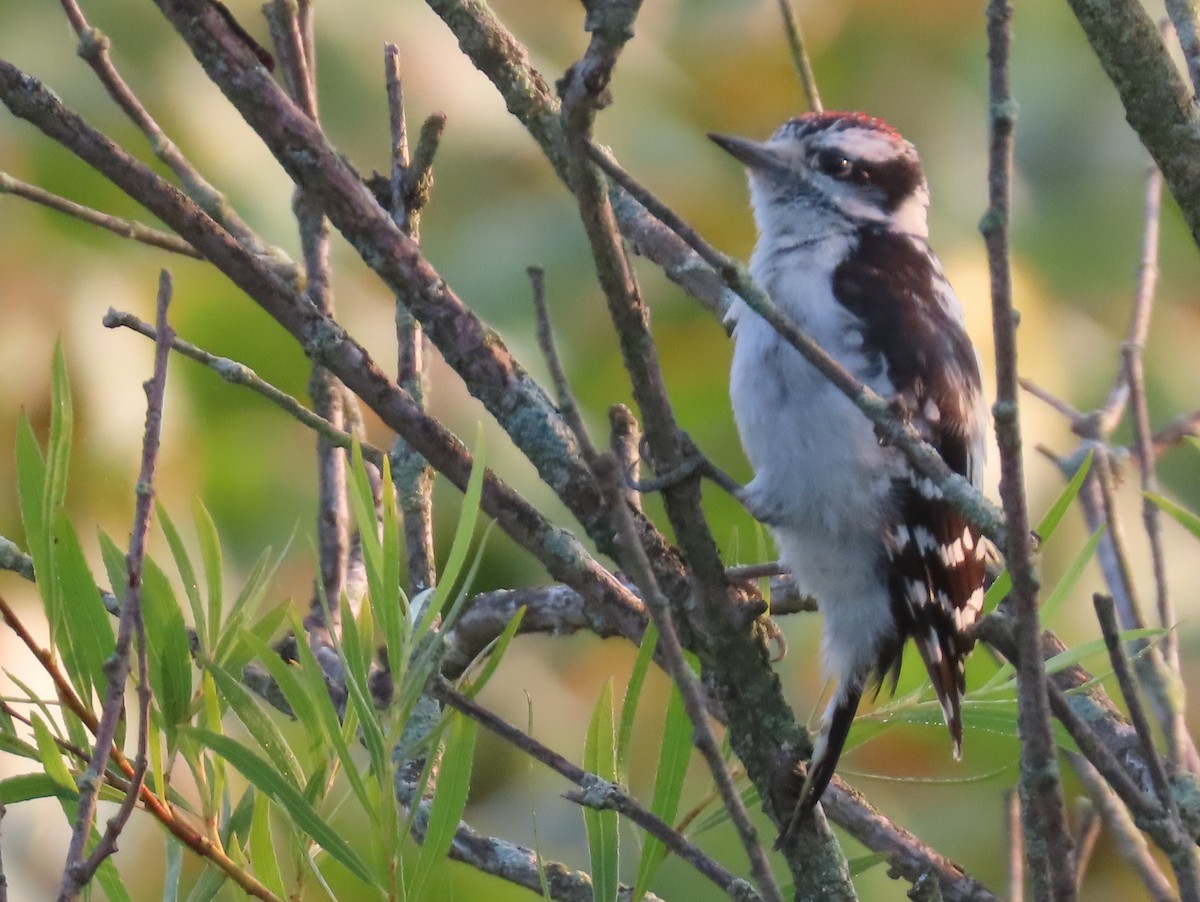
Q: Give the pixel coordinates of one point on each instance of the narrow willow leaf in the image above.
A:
(333, 731)
(266, 779)
(864, 863)
(248, 600)
(168, 646)
(1185, 518)
(633, 694)
(1045, 529)
(174, 856)
(449, 798)
(355, 655)
(86, 625)
(1049, 523)
(1066, 583)
(262, 851)
(600, 758)
(62, 419)
(287, 677)
(258, 721)
(495, 654)
(27, 787)
(31, 482)
(187, 574)
(468, 516)
(210, 556)
(674, 755)
(238, 652)
(52, 759)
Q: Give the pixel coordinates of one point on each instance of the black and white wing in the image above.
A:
(912, 326)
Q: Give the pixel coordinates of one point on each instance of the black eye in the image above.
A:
(834, 165)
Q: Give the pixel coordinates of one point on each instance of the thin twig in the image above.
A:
(1130, 842)
(624, 440)
(126, 228)
(1088, 824)
(237, 373)
(1048, 397)
(800, 60)
(333, 530)
(584, 91)
(558, 375)
(413, 475)
(1016, 847)
(94, 49)
(615, 797)
(1186, 18)
(76, 871)
(1051, 869)
(1183, 856)
(1134, 350)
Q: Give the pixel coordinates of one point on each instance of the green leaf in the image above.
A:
(449, 798)
(61, 428)
(51, 757)
(187, 575)
(381, 557)
(1070, 577)
(85, 627)
(674, 755)
(1045, 529)
(266, 779)
(332, 730)
(258, 721)
(174, 873)
(31, 482)
(1184, 517)
(355, 656)
(26, 787)
(262, 851)
(1049, 523)
(210, 555)
(288, 678)
(168, 646)
(633, 693)
(468, 516)
(495, 653)
(864, 863)
(248, 600)
(600, 758)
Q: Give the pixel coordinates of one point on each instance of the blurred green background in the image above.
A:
(695, 66)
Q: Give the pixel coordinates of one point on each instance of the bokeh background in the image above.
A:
(695, 66)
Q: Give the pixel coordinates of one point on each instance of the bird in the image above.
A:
(841, 208)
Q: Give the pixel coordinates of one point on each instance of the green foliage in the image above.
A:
(600, 758)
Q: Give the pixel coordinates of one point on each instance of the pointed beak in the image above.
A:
(754, 154)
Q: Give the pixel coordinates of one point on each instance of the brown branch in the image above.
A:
(76, 871)
(94, 48)
(1158, 102)
(1130, 843)
(800, 60)
(414, 476)
(1181, 849)
(124, 227)
(1051, 866)
(612, 796)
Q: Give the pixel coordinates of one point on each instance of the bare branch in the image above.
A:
(76, 871)
(800, 60)
(1048, 849)
(1129, 840)
(124, 227)
(614, 796)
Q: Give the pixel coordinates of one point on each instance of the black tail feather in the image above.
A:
(835, 726)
